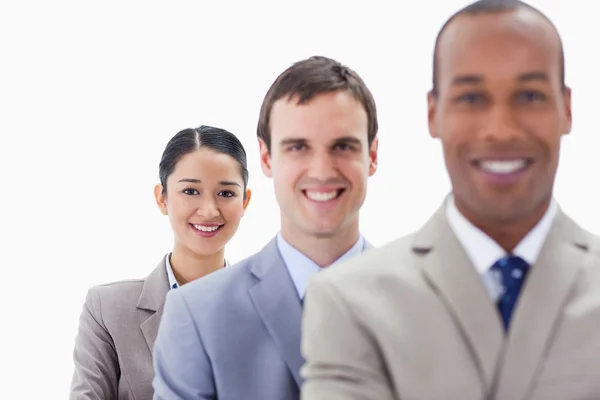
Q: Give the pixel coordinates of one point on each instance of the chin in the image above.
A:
(324, 231)
(505, 211)
(204, 251)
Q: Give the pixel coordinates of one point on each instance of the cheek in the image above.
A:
(286, 175)
(546, 131)
(180, 209)
(356, 171)
(234, 211)
(458, 133)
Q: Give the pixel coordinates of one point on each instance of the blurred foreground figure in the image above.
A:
(497, 296)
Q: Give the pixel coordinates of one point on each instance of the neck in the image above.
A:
(188, 266)
(507, 233)
(323, 250)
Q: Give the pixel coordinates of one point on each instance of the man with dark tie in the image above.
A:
(497, 296)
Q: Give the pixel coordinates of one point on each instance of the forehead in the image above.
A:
(497, 46)
(207, 165)
(323, 118)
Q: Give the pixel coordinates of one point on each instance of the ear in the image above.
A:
(247, 199)
(265, 158)
(568, 113)
(373, 156)
(161, 199)
(431, 111)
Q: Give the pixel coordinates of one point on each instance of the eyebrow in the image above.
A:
(534, 76)
(467, 79)
(289, 141)
(222, 183)
(523, 78)
(344, 139)
(348, 139)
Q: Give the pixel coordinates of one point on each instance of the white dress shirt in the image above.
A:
(483, 251)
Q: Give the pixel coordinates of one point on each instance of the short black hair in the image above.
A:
(491, 7)
(191, 139)
(309, 78)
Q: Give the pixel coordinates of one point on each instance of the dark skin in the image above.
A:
(501, 99)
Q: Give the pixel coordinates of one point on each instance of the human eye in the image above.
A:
(227, 193)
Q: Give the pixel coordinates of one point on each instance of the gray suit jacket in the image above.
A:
(117, 330)
(232, 335)
(412, 320)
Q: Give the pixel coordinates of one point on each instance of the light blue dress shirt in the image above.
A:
(301, 268)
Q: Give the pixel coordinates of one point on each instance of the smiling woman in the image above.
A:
(203, 191)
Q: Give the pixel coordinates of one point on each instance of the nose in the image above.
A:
(208, 209)
(502, 125)
(322, 166)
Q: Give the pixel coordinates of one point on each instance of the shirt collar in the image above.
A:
(301, 268)
(172, 280)
(483, 251)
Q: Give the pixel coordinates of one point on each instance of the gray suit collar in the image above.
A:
(446, 266)
(152, 299)
(434, 230)
(154, 291)
(550, 282)
(278, 305)
(448, 269)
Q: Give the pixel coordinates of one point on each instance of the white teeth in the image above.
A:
(321, 196)
(206, 228)
(502, 167)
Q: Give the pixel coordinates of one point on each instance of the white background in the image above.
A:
(91, 92)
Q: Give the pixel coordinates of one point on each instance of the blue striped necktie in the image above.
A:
(513, 271)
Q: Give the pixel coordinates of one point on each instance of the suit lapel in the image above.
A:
(278, 305)
(152, 300)
(449, 271)
(150, 328)
(540, 305)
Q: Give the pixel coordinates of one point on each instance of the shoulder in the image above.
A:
(570, 231)
(375, 265)
(116, 292)
(221, 283)
(118, 300)
(593, 240)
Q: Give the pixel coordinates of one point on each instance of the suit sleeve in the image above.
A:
(96, 364)
(342, 359)
(181, 365)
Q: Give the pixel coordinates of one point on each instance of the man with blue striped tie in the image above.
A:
(498, 295)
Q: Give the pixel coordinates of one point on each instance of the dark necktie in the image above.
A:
(513, 271)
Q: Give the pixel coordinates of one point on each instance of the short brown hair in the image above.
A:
(311, 77)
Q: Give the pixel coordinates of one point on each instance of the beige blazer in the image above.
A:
(412, 320)
(117, 329)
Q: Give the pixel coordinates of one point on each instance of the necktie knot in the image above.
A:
(512, 272)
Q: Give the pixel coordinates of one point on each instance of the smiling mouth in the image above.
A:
(206, 228)
(323, 196)
(503, 167)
